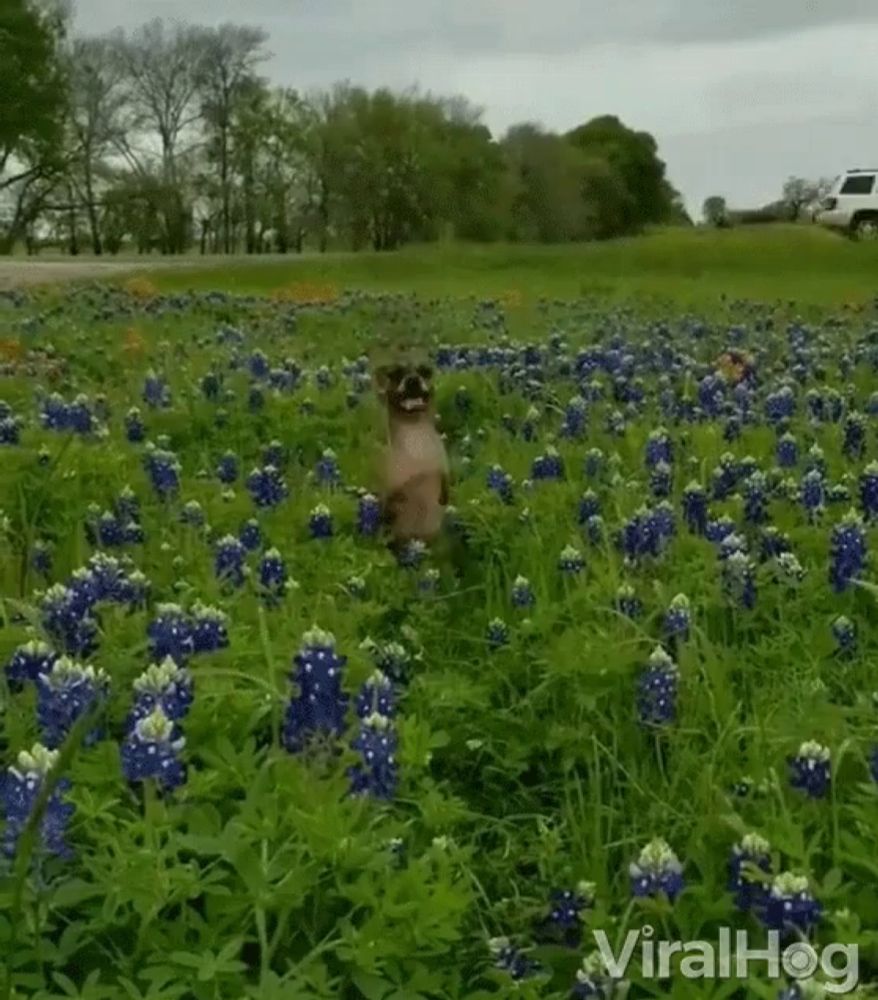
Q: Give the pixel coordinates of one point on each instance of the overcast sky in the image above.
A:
(739, 93)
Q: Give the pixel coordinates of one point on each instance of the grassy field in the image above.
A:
(684, 266)
(633, 686)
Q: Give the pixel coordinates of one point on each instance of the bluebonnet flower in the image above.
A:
(227, 468)
(250, 535)
(10, 429)
(755, 499)
(724, 477)
(376, 696)
(845, 634)
(848, 552)
(64, 693)
(29, 661)
(549, 465)
(228, 561)
(628, 603)
(41, 558)
(209, 629)
(780, 406)
(20, 788)
(813, 494)
(787, 452)
(258, 364)
(412, 554)
(151, 751)
(274, 454)
(54, 413)
(638, 537)
(166, 685)
(695, 508)
(127, 505)
(355, 586)
(719, 529)
(659, 448)
(67, 618)
(497, 633)
(748, 858)
(594, 463)
(854, 441)
(273, 578)
(163, 469)
(810, 770)
(772, 543)
(790, 908)
(391, 658)
(377, 774)
(570, 561)
(869, 492)
(267, 487)
(589, 506)
(739, 579)
(192, 514)
(566, 906)
(319, 706)
(170, 634)
(594, 982)
(788, 570)
(368, 515)
(595, 529)
(678, 618)
(327, 470)
(657, 690)
(323, 377)
(210, 386)
(428, 583)
(500, 482)
(657, 870)
(156, 392)
(511, 960)
(663, 525)
(574, 418)
(815, 460)
(522, 593)
(320, 522)
(838, 493)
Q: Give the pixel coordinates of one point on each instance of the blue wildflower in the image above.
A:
(229, 557)
(152, 752)
(497, 633)
(20, 788)
(227, 468)
(678, 618)
(790, 908)
(739, 579)
(748, 859)
(787, 452)
(657, 870)
(810, 770)
(320, 522)
(377, 774)
(659, 449)
(273, 578)
(594, 982)
(500, 482)
(594, 463)
(67, 618)
(267, 487)
(376, 696)
(29, 661)
(657, 690)
(412, 554)
(522, 593)
(813, 494)
(549, 465)
(170, 634)
(163, 469)
(64, 693)
(208, 629)
(166, 685)
(327, 470)
(854, 440)
(565, 917)
(694, 503)
(368, 515)
(570, 561)
(755, 499)
(319, 706)
(869, 492)
(511, 960)
(848, 552)
(845, 634)
(250, 535)
(628, 603)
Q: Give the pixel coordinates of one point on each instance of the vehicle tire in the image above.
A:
(864, 228)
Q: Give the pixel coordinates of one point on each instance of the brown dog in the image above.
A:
(415, 466)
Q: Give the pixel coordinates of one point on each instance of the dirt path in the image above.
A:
(15, 273)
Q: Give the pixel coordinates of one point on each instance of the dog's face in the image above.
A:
(407, 387)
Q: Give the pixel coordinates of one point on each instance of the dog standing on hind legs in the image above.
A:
(414, 471)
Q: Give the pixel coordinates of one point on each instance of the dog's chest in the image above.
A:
(415, 450)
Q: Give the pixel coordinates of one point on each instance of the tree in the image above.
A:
(231, 54)
(715, 211)
(634, 156)
(797, 194)
(97, 102)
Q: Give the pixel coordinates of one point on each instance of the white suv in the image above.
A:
(852, 204)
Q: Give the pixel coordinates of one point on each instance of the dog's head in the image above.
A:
(406, 386)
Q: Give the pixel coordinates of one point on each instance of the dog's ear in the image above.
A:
(381, 379)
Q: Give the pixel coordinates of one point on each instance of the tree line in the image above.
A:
(171, 138)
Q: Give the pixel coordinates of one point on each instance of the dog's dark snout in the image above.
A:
(412, 384)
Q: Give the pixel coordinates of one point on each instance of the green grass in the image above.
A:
(684, 266)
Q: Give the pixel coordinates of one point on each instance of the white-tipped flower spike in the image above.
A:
(37, 762)
(158, 728)
(789, 884)
(316, 636)
(754, 845)
(812, 750)
(158, 676)
(67, 671)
